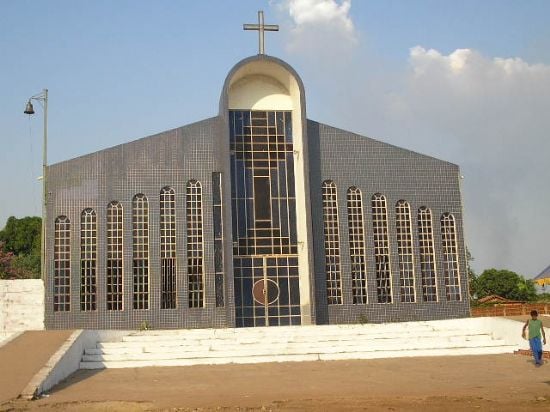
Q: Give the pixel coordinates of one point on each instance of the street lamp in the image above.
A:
(42, 98)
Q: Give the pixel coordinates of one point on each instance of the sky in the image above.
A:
(467, 82)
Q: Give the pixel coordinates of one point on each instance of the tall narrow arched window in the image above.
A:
(357, 246)
(450, 257)
(427, 255)
(115, 253)
(332, 243)
(217, 218)
(405, 252)
(168, 248)
(381, 248)
(195, 264)
(140, 251)
(62, 265)
(88, 260)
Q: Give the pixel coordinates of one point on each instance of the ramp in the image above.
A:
(23, 357)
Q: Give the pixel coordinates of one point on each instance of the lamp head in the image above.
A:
(29, 109)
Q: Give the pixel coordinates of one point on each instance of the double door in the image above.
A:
(267, 290)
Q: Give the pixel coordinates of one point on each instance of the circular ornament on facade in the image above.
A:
(265, 290)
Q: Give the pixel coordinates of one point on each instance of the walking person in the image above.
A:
(535, 331)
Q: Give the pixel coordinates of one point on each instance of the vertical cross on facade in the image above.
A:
(261, 27)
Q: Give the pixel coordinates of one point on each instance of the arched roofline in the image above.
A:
(224, 98)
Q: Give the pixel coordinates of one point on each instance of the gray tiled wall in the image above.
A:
(375, 167)
(144, 166)
(194, 152)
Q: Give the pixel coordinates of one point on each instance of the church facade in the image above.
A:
(255, 217)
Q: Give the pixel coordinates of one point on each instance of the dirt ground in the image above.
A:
(462, 383)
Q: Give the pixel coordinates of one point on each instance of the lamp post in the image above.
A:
(29, 109)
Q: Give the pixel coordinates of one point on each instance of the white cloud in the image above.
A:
(489, 115)
(462, 59)
(321, 12)
(320, 26)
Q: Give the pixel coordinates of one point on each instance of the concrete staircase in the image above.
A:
(297, 343)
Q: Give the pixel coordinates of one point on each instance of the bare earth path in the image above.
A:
(23, 357)
(469, 383)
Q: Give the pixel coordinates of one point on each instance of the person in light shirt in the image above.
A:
(535, 331)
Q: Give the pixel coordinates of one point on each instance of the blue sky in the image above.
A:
(392, 70)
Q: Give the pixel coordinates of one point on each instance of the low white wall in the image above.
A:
(21, 305)
(510, 331)
(67, 359)
(506, 329)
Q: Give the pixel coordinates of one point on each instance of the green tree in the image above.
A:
(8, 270)
(543, 297)
(504, 283)
(22, 237)
(472, 278)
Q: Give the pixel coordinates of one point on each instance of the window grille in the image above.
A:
(332, 243)
(195, 244)
(140, 251)
(115, 256)
(218, 236)
(405, 251)
(427, 256)
(381, 249)
(62, 265)
(263, 201)
(357, 246)
(88, 260)
(168, 247)
(450, 257)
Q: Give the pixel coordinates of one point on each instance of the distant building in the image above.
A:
(543, 278)
(496, 299)
(258, 216)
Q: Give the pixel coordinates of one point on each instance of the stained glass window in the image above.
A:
(140, 262)
(356, 231)
(381, 249)
(332, 243)
(218, 237)
(427, 256)
(450, 257)
(88, 260)
(195, 244)
(405, 251)
(168, 248)
(62, 265)
(115, 254)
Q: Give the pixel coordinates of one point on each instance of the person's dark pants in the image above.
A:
(536, 348)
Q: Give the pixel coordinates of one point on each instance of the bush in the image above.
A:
(505, 283)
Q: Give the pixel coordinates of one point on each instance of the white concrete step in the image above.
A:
(255, 334)
(162, 341)
(281, 344)
(214, 345)
(286, 348)
(266, 350)
(298, 358)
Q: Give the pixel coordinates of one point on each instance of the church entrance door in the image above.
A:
(267, 291)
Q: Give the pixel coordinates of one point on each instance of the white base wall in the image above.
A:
(506, 329)
(21, 305)
(469, 336)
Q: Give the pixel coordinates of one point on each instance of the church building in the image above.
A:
(255, 217)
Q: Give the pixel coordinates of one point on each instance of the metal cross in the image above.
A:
(261, 27)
